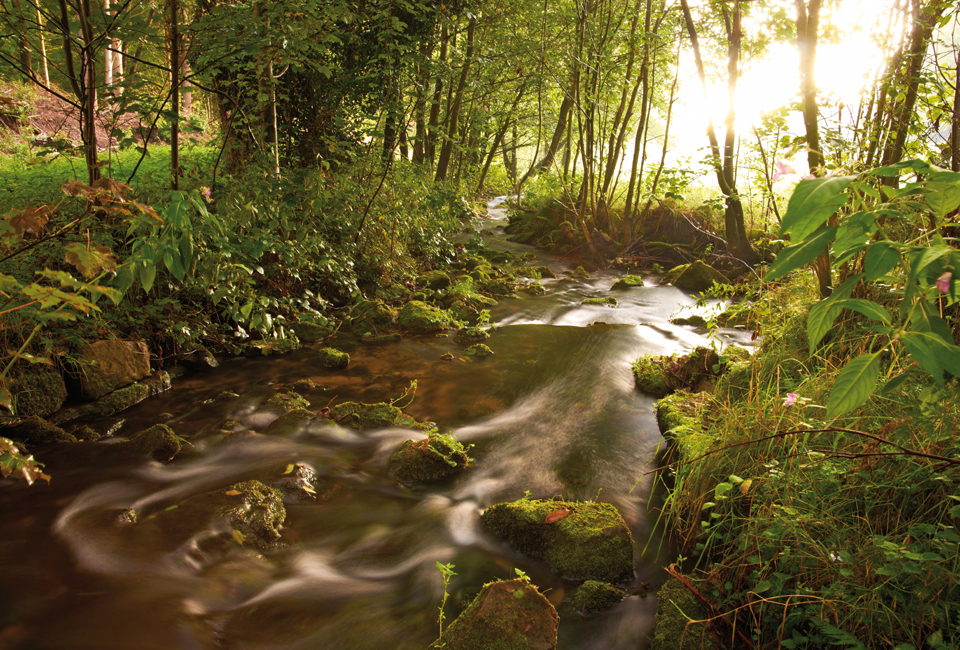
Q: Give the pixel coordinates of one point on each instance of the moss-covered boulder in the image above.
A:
(501, 286)
(159, 442)
(252, 511)
(34, 430)
(309, 332)
(420, 318)
(676, 607)
(536, 289)
(627, 282)
(478, 350)
(38, 390)
(508, 615)
(659, 375)
(382, 338)
(372, 316)
(333, 358)
(103, 366)
(432, 459)
(593, 596)
(694, 320)
(358, 415)
(289, 422)
(678, 418)
(287, 401)
(648, 373)
(607, 301)
(580, 272)
(471, 335)
(268, 347)
(434, 280)
(536, 272)
(737, 315)
(583, 541)
(698, 276)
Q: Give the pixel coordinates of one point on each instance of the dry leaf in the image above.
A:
(233, 493)
(557, 515)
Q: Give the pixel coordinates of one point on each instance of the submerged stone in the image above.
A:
(536, 289)
(371, 316)
(420, 318)
(288, 422)
(34, 430)
(478, 350)
(627, 282)
(593, 596)
(471, 334)
(288, 401)
(509, 615)
(696, 320)
(159, 442)
(429, 460)
(582, 541)
(580, 272)
(698, 276)
(333, 358)
(608, 301)
(366, 416)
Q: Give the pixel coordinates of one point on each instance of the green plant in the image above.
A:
(15, 463)
(447, 573)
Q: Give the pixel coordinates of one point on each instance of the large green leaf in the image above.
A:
(813, 202)
(868, 308)
(922, 354)
(916, 164)
(854, 385)
(822, 314)
(946, 354)
(793, 257)
(943, 192)
(880, 259)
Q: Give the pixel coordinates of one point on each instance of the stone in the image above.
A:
(429, 460)
(309, 332)
(420, 318)
(287, 401)
(333, 358)
(104, 366)
(434, 280)
(580, 272)
(508, 615)
(608, 301)
(471, 335)
(196, 356)
(34, 430)
(676, 607)
(382, 338)
(288, 422)
(582, 541)
(698, 276)
(478, 350)
(593, 596)
(696, 320)
(369, 316)
(627, 282)
(38, 390)
(366, 416)
(159, 442)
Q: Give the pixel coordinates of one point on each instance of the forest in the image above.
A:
(235, 184)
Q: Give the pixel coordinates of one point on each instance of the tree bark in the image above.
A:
(433, 124)
(454, 116)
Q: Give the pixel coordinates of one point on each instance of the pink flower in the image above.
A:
(783, 169)
(943, 282)
(791, 399)
(206, 192)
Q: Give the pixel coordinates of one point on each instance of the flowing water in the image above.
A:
(553, 413)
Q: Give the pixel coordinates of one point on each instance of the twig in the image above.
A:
(707, 605)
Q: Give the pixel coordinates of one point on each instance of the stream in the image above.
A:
(553, 413)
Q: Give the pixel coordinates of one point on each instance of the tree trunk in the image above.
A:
(433, 125)
(955, 123)
(175, 94)
(502, 131)
(454, 115)
(23, 47)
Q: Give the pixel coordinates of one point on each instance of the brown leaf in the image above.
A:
(32, 220)
(557, 515)
(233, 493)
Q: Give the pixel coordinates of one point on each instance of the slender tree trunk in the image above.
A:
(433, 125)
(955, 123)
(43, 48)
(420, 106)
(23, 47)
(509, 118)
(454, 114)
(175, 94)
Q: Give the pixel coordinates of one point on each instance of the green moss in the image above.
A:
(648, 372)
(696, 320)
(366, 416)
(34, 430)
(371, 316)
(678, 418)
(435, 280)
(628, 282)
(420, 318)
(593, 596)
(431, 459)
(266, 348)
(608, 301)
(471, 334)
(333, 358)
(734, 383)
(675, 608)
(159, 442)
(38, 390)
(591, 542)
(288, 401)
(478, 350)
(698, 276)
(382, 338)
(501, 286)
(736, 315)
(509, 615)
(536, 289)
(580, 272)
(311, 332)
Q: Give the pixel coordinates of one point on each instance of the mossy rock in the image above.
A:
(698, 276)
(497, 257)
(648, 373)
(736, 315)
(253, 512)
(501, 286)
(194, 355)
(735, 353)
(536, 272)
(734, 384)
(696, 320)
(391, 292)
(580, 272)
(368, 416)
(372, 316)
(420, 318)
(678, 418)
(471, 335)
(38, 390)
(676, 606)
(659, 375)
(607, 301)
(593, 596)
(159, 442)
(429, 460)
(434, 280)
(333, 358)
(34, 430)
(584, 541)
(508, 615)
(267, 348)
(627, 282)
(478, 350)
(535, 289)
(287, 401)
(309, 332)
(289, 422)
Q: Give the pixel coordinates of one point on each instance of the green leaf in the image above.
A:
(762, 586)
(880, 259)
(894, 383)
(946, 354)
(922, 354)
(721, 490)
(793, 257)
(148, 273)
(813, 201)
(868, 308)
(944, 192)
(822, 314)
(917, 165)
(854, 385)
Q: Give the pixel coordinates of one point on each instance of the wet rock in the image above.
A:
(537, 272)
(696, 320)
(580, 272)
(159, 442)
(478, 350)
(583, 541)
(267, 348)
(38, 390)
(86, 433)
(302, 385)
(103, 366)
(287, 401)
(298, 483)
(736, 315)
(627, 282)
(434, 280)
(607, 301)
(309, 332)
(593, 596)
(536, 289)
(420, 318)
(34, 430)
(366, 416)
(509, 615)
(429, 460)
(194, 355)
(648, 373)
(698, 276)
(678, 418)
(222, 396)
(501, 286)
(676, 607)
(159, 382)
(333, 358)
(497, 257)
(289, 422)
(372, 316)
(392, 292)
(471, 334)
(659, 375)
(447, 356)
